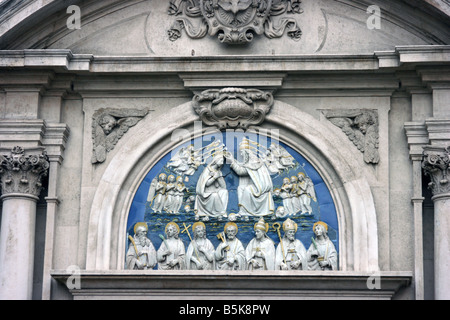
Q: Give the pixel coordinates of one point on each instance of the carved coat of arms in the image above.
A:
(234, 21)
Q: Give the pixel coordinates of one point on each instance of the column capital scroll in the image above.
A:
(436, 165)
(21, 171)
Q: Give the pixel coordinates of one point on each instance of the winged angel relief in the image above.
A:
(234, 21)
(361, 127)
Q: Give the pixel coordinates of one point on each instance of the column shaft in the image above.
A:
(442, 246)
(17, 247)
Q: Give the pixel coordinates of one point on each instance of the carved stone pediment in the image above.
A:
(361, 127)
(234, 21)
(235, 108)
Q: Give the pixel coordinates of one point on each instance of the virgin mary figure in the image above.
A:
(211, 191)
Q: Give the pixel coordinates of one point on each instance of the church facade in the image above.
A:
(198, 149)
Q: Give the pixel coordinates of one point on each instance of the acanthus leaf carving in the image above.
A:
(109, 126)
(436, 165)
(235, 108)
(362, 128)
(22, 173)
(234, 21)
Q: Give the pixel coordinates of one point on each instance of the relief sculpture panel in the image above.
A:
(234, 21)
(232, 200)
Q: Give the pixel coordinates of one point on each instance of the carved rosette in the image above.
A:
(233, 108)
(436, 165)
(22, 173)
(234, 21)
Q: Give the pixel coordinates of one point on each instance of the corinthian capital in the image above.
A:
(436, 165)
(22, 172)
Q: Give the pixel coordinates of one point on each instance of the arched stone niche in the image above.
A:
(330, 156)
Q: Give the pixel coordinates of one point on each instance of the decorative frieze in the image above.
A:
(436, 165)
(235, 108)
(22, 172)
(361, 127)
(109, 126)
(233, 21)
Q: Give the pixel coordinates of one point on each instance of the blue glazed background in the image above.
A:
(323, 210)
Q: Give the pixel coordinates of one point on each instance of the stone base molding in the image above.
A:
(224, 285)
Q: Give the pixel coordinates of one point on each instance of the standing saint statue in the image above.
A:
(255, 183)
(141, 254)
(230, 253)
(260, 252)
(291, 253)
(212, 194)
(322, 254)
(200, 253)
(171, 253)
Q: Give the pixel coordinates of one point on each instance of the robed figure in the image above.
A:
(260, 252)
(211, 191)
(322, 254)
(230, 253)
(200, 252)
(291, 253)
(157, 193)
(141, 254)
(255, 184)
(171, 253)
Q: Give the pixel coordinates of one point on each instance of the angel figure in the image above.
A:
(170, 194)
(277, 159)
(187, 160)
(306, 193)
(180, 188)
(108, 126)
(286, 195)
(157, 193)
(361, 127)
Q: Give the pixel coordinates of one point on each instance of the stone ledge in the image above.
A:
(200, 285)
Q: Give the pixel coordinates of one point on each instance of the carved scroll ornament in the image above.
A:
(234, 108)
(436, 165)
(361, 127)
(234, 21)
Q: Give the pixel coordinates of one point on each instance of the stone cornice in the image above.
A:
(62, 59)
(35, 133)
(417, 135)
